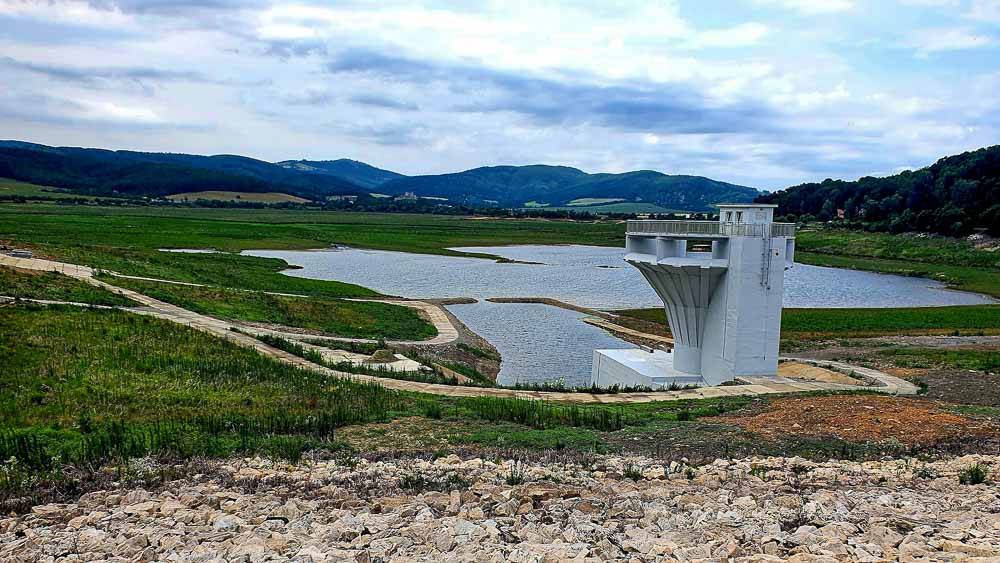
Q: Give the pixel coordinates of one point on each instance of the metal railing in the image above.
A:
(709, 228)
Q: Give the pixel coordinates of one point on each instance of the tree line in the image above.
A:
(955, 196)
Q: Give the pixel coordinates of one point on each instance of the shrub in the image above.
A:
(975, 474)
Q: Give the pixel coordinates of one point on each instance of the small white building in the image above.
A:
(723, 306)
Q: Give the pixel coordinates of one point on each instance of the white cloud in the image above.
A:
(985, 11)
(103, 110)
(936, 40)
(812, 7)
(741, 35)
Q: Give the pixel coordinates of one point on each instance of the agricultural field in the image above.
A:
(263, 197)
(9, 187)
(593, 201)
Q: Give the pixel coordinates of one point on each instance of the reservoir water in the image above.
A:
(589, 276)
(543, 343)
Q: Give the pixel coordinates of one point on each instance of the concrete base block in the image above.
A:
(638, 367)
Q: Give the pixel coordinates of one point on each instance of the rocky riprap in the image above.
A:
(483, 510)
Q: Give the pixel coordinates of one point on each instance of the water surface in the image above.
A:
(537, 342)
(589, 276)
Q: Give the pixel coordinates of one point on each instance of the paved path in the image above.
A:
(223, 329)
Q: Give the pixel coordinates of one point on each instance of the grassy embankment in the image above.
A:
(338, 317)
(816, 324)
(28, 284)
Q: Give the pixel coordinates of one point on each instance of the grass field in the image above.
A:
(10, 187)
(70, 374)
(619, 207)
(594, 201)
(29, 284)
(354, 319)
(859, 323)
(263, 197)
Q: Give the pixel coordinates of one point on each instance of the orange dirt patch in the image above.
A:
(861, 419)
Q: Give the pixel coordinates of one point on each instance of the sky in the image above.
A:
(765, 93)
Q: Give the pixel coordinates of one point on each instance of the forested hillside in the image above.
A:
(954, 196)
(105, 172)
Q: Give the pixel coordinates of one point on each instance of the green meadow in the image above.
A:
(808, 324)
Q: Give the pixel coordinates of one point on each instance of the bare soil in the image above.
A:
(863, 418)
(960, 386)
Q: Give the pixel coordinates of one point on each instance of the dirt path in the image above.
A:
(223, 329)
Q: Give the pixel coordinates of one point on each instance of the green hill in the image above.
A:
(105, 172)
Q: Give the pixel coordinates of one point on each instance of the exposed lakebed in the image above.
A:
(541, 342)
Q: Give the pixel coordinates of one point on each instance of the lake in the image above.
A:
(541, 342)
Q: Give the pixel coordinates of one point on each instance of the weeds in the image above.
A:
(515, 475)
(975, 474)
(541, 414)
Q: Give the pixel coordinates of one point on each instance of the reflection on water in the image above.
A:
(589, 276)
(537, 342)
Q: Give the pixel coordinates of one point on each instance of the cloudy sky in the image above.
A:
(766, 93)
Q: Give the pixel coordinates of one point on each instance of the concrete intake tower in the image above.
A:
(723, 306)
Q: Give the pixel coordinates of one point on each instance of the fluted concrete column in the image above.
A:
(686, 292)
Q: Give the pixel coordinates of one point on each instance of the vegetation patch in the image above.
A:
(84, 386)
(810, 324)
(261, 197)
(511, 436)
(53, 286)
(957, 358)
(356, 319)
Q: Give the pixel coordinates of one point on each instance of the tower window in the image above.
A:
(739, 216)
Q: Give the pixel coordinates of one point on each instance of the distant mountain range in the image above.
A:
(106, 172)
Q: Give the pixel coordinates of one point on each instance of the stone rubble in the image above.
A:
(637, 509)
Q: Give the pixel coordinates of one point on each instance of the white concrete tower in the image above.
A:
(723, 305)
